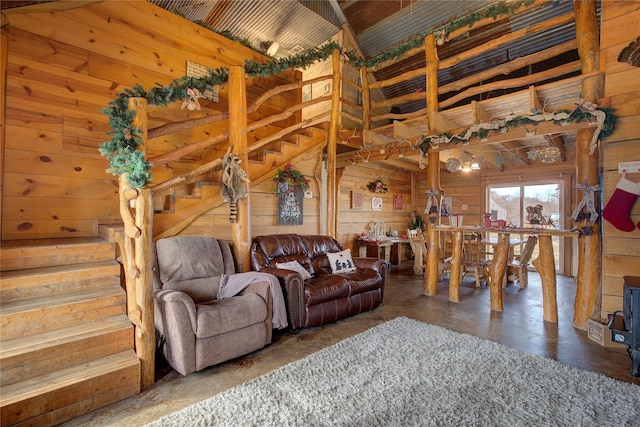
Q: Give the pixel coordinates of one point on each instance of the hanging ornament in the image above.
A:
(453, 165)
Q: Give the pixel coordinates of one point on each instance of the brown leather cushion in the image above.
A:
(363, 280)
(280, 248)
(325, 287)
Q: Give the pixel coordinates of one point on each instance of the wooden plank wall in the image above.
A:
(62, 67)
(352, 222)
(621, 250)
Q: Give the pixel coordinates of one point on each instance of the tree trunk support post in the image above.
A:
(588, 291)
(241, 229)
(334, 124)
(139, 229)
(433, 167)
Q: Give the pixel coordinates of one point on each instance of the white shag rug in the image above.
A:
(409, 373)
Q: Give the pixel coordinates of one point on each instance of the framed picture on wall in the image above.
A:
(397, 202)
(376, 204)
(357, 200)
(445, 206)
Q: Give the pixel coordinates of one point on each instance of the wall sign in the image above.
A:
(357, 200)
(290, 204)
(397, 202)
(376, 204)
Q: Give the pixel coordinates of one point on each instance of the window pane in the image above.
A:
(504, 203)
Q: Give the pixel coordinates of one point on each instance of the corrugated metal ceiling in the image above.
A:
(289, 23)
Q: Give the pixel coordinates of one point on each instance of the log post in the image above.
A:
(334, 124)
(498, 270)
(546, 266)
(366, 99)
(145, 333)
(456, 267)
(588, 291)
(433, 236)
(241, 229)
(142, 232)
(433, 167)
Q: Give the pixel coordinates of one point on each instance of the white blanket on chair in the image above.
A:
(235, 283)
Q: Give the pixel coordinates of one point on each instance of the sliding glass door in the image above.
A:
(529, 205)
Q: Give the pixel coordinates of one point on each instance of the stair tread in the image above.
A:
(13, 346)
(49, 301)
(58, 269)
(42, 384)
(54, 242)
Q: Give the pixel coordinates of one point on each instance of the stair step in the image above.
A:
(38, 354)
(57, 311)
(108, 232)
(22, 254)
(44, 281)
(56, 397)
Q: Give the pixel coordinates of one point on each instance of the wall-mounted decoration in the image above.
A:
(290, 205)
(445, 206)
(307, 94)
(357, 200)
(631, 53)
(377, 186)
(291, 185)
(397, 202)
(376, 204)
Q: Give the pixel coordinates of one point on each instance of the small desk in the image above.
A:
(545, 264)
(391, 246)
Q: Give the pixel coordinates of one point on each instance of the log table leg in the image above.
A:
(498, 270)
(431, 270)
(456, 261)
(546, 266)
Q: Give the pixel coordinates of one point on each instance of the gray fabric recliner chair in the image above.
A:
(198, 329)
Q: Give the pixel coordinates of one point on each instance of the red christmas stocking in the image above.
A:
(618, 209)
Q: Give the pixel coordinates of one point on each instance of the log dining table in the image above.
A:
(545, 263)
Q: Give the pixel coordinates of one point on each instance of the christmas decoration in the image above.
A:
(618, 209)
(602, 116)
(587, 203)
(288, 178)
(377, 186)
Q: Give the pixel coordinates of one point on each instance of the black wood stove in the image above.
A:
(625, 324)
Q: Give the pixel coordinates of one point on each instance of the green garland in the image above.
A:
(122, 150)
(483, 130)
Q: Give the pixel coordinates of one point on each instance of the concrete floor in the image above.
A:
(519, 326)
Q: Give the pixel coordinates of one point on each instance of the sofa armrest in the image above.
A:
(178, 303)
(293, 291)
(178, 314)
(371, 264)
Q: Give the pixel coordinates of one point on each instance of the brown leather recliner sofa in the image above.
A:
(325, 296)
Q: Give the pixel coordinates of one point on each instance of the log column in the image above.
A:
(141, 232)
(433, 167)
(241, 229)
(334, 124)
(588, 292)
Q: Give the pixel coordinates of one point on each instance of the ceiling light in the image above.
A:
(549, 154)
(273, 48)
(475, 165)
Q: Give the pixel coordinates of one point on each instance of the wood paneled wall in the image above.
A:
(621, 250)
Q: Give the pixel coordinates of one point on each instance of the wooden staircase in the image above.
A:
(178, 207)
(66, 344)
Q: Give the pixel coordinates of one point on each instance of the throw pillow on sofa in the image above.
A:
(295, 266)
(341, 262)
